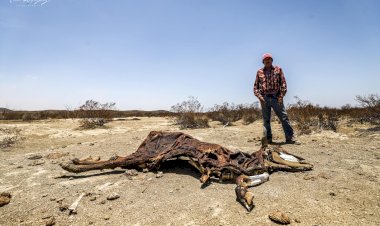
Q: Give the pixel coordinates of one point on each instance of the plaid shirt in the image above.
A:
(271, 83)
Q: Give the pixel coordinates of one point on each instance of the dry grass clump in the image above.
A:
(94, 114)
(10, 137)
(189, 114)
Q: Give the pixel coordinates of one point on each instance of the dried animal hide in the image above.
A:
(211, 160)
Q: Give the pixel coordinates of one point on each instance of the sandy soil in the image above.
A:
(343, 188)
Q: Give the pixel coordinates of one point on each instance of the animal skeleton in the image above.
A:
(211, 160)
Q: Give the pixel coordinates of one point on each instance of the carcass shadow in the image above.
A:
(90, 175)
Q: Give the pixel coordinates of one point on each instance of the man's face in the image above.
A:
(268, 62)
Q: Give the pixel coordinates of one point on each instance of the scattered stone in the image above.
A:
(106, 218)
(297, 220)
(50, 222)
(91, 144)
(93, 198)
(113, 157)
(44, 195)
(5, 198)
(63, 207)
(113, 196)
(332, 194)
(103, 202)
(159, 174)
(131, 173)
(19, 167)
(52, 199)
(279, 217)
(34, 156)
(145, 170)
(71, 178)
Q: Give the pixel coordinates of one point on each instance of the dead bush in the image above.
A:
(10, 137)
(309, 117)
(189, 114)
(227, 113)
(370, 108)
(93, 114)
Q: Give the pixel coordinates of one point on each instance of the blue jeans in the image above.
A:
(279, 109)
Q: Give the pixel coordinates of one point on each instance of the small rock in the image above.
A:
(159, 174)
(103, 202)
(52, 199)
(50, 222)
(106, 218)
(297, 220)
(145, 170)
(131, 173)
(63, 207)
(332, 194)
(34, 156)
(93, 198)
(71, 178)
(279, 217)
(44, 195)
(19, 167)
(113, 196)
(5, 198)
(91, 144)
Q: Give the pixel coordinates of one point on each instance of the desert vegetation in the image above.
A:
(189, 114)
(9, 137)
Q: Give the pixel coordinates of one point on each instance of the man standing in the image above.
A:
(270, 88)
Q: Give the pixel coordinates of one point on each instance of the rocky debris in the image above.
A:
(102, 202)
(279, 217)
(63, 207)
(50, 222)
(113, 196)
(145, 170)
(5, 198)
(106, 218)
(34, 156)
(332, 194)
(159, 174)
(131, 173)
(93, 198)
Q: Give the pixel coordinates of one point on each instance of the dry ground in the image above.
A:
(343, 188)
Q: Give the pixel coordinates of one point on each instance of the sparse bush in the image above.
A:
(371, 108)
(189, 114)
(11, 137)
(95, 114)
(228, 113)
(309, 117)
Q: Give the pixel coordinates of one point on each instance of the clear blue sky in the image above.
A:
(152, 54)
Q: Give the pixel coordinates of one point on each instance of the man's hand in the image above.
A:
(280, 100)
(262, 101)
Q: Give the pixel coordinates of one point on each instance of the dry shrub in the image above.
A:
(309, 117)
(227, 113)
(370, 109)
(12, 136)
(94, 114)
(189, 114)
